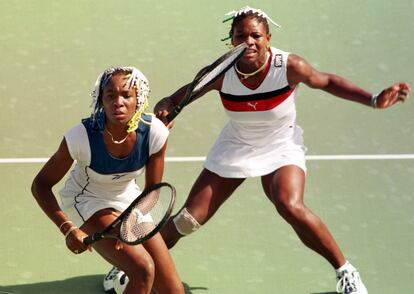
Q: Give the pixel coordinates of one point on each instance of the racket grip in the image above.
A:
(92, 238)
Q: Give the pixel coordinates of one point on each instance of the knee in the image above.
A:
(185, 223)
(182, 224)
(142, 271)
(293, 211)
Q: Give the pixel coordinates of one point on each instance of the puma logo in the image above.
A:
(252, 105)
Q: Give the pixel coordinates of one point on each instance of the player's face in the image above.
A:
(254, 34)
(119, 99)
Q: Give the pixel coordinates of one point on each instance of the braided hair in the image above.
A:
(248, 12)
(136, 79)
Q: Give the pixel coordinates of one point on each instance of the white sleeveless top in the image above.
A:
(262, 134)
(98, 180)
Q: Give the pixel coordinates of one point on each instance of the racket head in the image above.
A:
(211, 73)
(147, 214)
(142, 219)
(208, 75)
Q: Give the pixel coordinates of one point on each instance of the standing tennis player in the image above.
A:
(263, 140)
(111, 148)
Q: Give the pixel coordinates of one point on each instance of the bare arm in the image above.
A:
(155, 167)
(51, 173)
(300, 71)
(165, 105)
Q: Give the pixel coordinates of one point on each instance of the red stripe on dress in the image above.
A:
(256, 105)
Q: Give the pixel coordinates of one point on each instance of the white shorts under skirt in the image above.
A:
(231, 158)
(79, 212)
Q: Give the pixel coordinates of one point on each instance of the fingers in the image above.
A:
(79, 249)
(403, 91)
(398, 92)
(170, 124)
(162, 115)
(74, 241)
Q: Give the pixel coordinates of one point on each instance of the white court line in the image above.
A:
(202, 158)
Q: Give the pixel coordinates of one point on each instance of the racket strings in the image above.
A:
(144, 217)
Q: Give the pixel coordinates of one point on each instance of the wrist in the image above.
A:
(66, 225)
(70, 230)
(374, 99)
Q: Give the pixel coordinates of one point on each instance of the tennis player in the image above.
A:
(111, 148)
(263, 140)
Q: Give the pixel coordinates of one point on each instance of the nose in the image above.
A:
(249, 41)
(118, 100)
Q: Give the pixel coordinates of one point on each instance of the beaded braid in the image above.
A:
(247, 11)
(136, 79)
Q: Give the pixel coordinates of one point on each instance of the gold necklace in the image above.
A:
(246, 75)
(115, 141)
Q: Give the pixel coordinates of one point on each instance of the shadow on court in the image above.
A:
(81, 285)
(190, 290)
(323, 293)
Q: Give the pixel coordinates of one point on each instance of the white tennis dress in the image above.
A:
(99, 180)
(262, 134)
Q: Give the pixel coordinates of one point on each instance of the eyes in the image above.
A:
(243, 36)
(110, 95)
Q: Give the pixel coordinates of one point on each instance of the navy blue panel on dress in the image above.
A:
(104, 163)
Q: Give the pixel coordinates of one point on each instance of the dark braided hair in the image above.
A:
(248, 14)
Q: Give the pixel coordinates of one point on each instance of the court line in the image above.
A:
(202, 158)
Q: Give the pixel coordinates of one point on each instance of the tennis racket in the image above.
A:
(207, 76)
(143, 218)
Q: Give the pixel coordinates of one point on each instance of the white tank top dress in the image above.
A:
(262, 135)
(99, 180)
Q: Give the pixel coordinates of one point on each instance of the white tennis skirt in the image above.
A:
(235, 156)
(79, 204)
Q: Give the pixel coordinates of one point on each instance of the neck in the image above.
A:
(113, 139)
(260, 69)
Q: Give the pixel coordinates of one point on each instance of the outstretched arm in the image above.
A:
(300, 71)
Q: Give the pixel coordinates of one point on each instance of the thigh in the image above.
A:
(208, 193)
(285, 185)
(121, 255)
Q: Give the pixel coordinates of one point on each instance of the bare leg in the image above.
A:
(138, 262)
(167, 280)
(206, 196)
(285, 188)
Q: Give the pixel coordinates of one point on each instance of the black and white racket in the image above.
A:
(143, 218)
(207, 76)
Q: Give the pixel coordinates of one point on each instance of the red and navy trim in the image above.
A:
(255, 102)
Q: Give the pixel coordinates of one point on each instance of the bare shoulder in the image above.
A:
(298, 69)
(56, 167)
(297, 64)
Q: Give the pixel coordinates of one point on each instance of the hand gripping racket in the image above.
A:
(207, 76)
(143, 218)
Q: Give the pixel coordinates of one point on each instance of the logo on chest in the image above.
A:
(278, 60)
(252, 105)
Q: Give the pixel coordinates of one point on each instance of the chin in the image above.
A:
(249, 59)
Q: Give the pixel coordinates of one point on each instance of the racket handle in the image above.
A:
(173, 113)
(92, 238)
